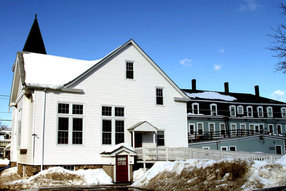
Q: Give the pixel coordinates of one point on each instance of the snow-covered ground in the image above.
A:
(4, 162)
(53, 177)
(193, 174)
(228, 174)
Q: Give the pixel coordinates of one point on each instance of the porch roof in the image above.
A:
(143, 126)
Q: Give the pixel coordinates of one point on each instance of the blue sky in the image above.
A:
(211, 41)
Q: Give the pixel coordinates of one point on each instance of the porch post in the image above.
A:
(154, 138)
(133, 139)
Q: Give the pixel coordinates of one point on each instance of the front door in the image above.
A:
(122, 168)
(138, 140)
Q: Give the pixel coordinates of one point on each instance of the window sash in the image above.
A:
(119, 111)
(63, 108)
(119, 132)
(77, 131)
(160, 138)
(106, 131)
(106, 111)
(129, 70)
(159, 96)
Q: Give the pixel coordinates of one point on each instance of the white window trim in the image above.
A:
(267, 108)
(232, 106)
(283, 114)
(113, 119)
(272, 128)
(189, 129)
(243, 124)
(162, 88)
(232, 132)
(226, 148)
(198, 106)
(234, 148)
(209, 126)
(197, 127)
(70, 117)
(242, 110)
(131, 61)
(277, 125)
(261, 110)
(251, 109)
(213, 104)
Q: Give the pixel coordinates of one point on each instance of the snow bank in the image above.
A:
(227, 174)
(4, 162)
(58, 176)
(211, 95)
(137, 174)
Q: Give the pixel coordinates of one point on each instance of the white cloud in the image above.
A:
(249, 5)
(278, 95)
(186, 62)
(221, 50)
(217, 67)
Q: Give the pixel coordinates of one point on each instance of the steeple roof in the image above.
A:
(34, 42)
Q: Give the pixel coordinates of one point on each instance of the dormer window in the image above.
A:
(260, 111)
(232, 111)
(213, 108)
(249, 111)
(283, 112)
(129, 70)
(195, 108)
(240, 110)
(269, 112)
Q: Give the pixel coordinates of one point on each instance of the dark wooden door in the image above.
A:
(138, 140)
(122, 168)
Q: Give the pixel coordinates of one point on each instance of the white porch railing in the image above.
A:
(146, 155)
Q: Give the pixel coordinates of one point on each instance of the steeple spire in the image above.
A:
(34, 42)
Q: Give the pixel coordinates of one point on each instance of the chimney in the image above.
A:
(256, 90)
(226, 88)
(194, 85)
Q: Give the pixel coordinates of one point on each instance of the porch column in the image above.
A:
(133, 139)
(154, 139)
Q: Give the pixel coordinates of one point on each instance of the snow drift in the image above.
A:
(220, 175)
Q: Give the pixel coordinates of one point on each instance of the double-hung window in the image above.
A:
(260, 111)
(269, 112)
(240, 110)
(195, 108)
(283, 112)
(159, 96)
(213, 108)
(249, 111)
(160, 138)
(70, 123)
(129, 70)
(112, 125)
(232, 111)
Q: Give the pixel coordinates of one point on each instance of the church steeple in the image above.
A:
(34, 42)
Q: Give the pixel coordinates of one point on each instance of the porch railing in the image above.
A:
(196, 136)
(146, 155)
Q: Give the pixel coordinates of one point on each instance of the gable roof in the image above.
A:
(34, 42)
(216, 96)
(143, 126)
(38, 69)
(52, 72)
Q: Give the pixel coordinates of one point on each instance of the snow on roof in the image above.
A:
(211, 95)
(53, 71)
(111, 149)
